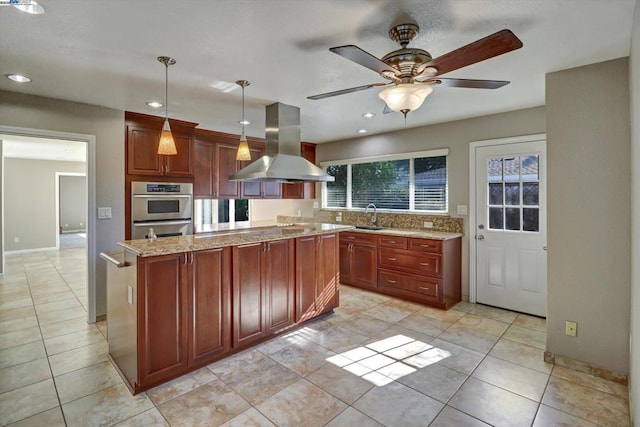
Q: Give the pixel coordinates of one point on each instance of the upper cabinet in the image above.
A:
(306, 190)
(142, 136)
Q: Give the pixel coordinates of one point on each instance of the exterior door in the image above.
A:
(510, 234)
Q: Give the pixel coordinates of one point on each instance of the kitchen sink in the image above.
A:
(368, 227)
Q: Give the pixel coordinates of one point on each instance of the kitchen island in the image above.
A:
(176, 304)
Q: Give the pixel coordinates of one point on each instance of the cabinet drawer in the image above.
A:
(424, 286)
(354, 237)
(413, 262)
(393, 242)
(425, 245)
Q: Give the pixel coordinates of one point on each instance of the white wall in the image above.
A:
(107, 125)
(30, 202)
(266, 210)
(634, 74)
(589, 218)
(453, 135)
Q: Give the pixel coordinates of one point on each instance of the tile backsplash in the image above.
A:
(386, 220)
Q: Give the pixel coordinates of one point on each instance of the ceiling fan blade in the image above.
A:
(359, 56)
(343, 91)
(468, 83)
(496, 44)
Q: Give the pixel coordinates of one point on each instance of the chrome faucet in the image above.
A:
(374, 217)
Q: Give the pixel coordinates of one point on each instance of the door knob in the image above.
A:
(480, 237)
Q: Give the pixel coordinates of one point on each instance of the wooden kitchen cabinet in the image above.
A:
(259, 190)
(205, 185)
(210, 302)
(163, 308)
(142, 137)
(300, 190)
(225, 166)
(263, 290)
(317, 275)
(359, 259)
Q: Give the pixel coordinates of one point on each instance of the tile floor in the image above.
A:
(375, 361)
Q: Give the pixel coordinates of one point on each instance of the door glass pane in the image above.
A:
(494, 169)
(512, 194)
(530, 193)
(512, 219)
(495, 219)
(530, 219)
(495, 193)
(512, 169)
(530, 167)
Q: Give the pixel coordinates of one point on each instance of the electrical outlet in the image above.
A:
(428, 224)
(339, 218)
(104, 213)
(571, 328)
(315, 205)
(461, 209)
(16, 240)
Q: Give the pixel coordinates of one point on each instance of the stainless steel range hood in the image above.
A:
(282, 161)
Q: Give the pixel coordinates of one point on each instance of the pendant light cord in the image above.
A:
(166, 91)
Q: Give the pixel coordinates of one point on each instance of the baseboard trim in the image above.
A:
(587, 368)
(26, 251)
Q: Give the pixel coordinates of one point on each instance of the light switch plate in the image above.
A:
(461, 210)
(104, 213)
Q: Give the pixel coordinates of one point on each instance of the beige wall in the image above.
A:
(453, 135)
(73, 203)
(1, 210)
(634, 73)
(268, 210)
(108, 127)
(30, 202)
(588, 147)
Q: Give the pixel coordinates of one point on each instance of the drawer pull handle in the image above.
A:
(426, 289)
(350, 237)
(426, 246)
(391, 281)
(391, 241)
(391, 259)
(424, 263)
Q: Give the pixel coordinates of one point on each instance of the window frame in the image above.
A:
(442, 152)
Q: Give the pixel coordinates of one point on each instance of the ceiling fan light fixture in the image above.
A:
(405, 97)
(243, 153)
(166, 145)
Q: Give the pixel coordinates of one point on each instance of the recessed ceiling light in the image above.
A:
(244, 122)
(155, 104)
(362, 131)
(368, 115)
(29, 6)
(18, 78)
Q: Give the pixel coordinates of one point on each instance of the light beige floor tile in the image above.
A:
(302, 358)
(449, 316)
(353, 418)
(436, 381)
(531, 322)
(521, 354)
(278, 343)
(20, 337)
(235, 362)
(102, 327)
(548, 416)
(105, 407)
(395, 330)
(587, 380)
(424, 325)
(17, 313)
(526, 336)
(78, 358)
(196, 408)
(514, 378)
(586, 402)
(336, 338)
(85, 381)
(364, 325)
(52, 297)
(494, 313)
(50, 418)
(13, 325)
(149, 418)
(340, 383)
(483, 324)
(249, 418)
(24, 374)
(65, 327)
(63, 314)
(450, 417)
(463, 306)
(73, 340)
(302, 403)
(397, 404)
(180, 386)
(24, 402)
(458, 334)
(21, 354)
(58, 305)
(17, 303)
(388, 312)
(14, 293)
(494, 405)
(457, 357)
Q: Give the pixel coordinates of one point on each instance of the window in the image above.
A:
(513, 186)
(410, 182)
(210, 212)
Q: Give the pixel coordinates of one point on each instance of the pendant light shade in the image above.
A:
(405, 97)
(167, 145)
(243, 153)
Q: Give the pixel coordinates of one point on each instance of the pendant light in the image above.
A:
(243, 148)
(167, 145)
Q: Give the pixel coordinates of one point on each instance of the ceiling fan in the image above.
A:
(413, 72)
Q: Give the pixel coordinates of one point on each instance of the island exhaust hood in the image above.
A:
(282, 161)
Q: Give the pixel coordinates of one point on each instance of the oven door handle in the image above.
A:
(169, 196)
(151, 223)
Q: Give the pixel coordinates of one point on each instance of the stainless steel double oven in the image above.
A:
(165, 207)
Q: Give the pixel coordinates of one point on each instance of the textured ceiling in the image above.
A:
(104, 53)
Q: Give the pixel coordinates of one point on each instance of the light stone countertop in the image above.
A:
(421, 234)
(197, 242)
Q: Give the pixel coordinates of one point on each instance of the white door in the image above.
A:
(510, 235)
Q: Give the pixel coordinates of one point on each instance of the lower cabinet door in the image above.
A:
(162, 317)
(248, 295)
(278, 268)
(210, 299)
(306, 277)
(364, 266)
(328, 272)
